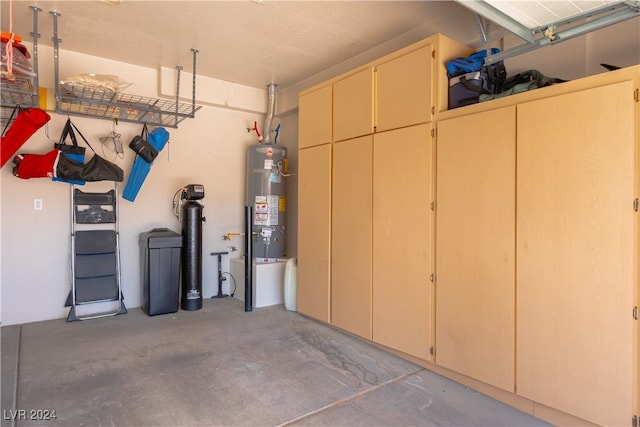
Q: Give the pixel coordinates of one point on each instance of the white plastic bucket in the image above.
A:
(290, 284)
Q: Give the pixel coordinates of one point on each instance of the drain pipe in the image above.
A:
(266, 131)
(248, 260)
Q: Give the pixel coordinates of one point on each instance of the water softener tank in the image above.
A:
(266, 169)
(191, 216)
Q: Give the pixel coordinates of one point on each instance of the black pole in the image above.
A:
(248, 260)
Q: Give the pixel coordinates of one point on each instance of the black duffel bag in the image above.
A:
(141, 146)
(96, 169)
(469, 78)
(522, 82)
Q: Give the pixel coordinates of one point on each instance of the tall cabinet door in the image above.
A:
(402, 193)
(475, 246)
(575, 246)
(314, 231)
(351, 236)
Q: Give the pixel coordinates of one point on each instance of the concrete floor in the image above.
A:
(220, 366)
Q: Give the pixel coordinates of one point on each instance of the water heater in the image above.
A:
(266, 170)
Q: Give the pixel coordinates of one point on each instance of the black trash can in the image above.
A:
(160, 252)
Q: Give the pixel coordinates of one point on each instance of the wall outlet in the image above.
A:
(37, 204)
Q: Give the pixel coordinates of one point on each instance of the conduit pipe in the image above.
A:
(248, 260)
(266, 131)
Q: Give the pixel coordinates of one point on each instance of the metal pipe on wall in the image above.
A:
(266, 131)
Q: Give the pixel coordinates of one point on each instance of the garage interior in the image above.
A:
(225, 360)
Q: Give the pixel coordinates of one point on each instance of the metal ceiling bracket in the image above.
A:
(549, 32)
(600, 19)
(500, 18)
(481, 28)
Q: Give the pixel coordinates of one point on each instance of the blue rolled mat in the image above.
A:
(158, 138)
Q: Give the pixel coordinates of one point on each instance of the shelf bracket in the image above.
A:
(56, 56)
(193, 98)
(36, 35)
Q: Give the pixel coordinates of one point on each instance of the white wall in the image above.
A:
(208, 150)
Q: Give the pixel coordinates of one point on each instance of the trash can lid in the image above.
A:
(161, 238)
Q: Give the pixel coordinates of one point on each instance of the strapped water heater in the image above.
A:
(266, 192)
(266, 166)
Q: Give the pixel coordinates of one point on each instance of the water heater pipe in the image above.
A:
(248, 260)
(266, 131)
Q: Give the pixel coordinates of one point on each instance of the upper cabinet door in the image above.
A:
(314, 117)
(404, 90)
(353, 105)
(576, 260)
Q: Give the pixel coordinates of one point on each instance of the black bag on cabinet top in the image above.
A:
(469, 78)
(522, 82)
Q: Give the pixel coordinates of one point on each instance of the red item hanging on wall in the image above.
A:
(27, 122)
(36, 165)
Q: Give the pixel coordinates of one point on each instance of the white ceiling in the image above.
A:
(249, 42)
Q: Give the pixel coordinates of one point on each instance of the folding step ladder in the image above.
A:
(95, 253)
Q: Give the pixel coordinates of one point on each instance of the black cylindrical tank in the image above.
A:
(191, 295)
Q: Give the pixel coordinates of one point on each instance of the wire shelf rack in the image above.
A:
(77, 99)
(82, 100)
(12, 95)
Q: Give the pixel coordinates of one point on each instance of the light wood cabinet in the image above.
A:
(353, 105)
(404, 90)
(314, 232)
(402, 236)
(351, 236)
(412, 84)
(536, 270)
(577, 260)
(536, 253)
(475, 241)
(315, 117)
